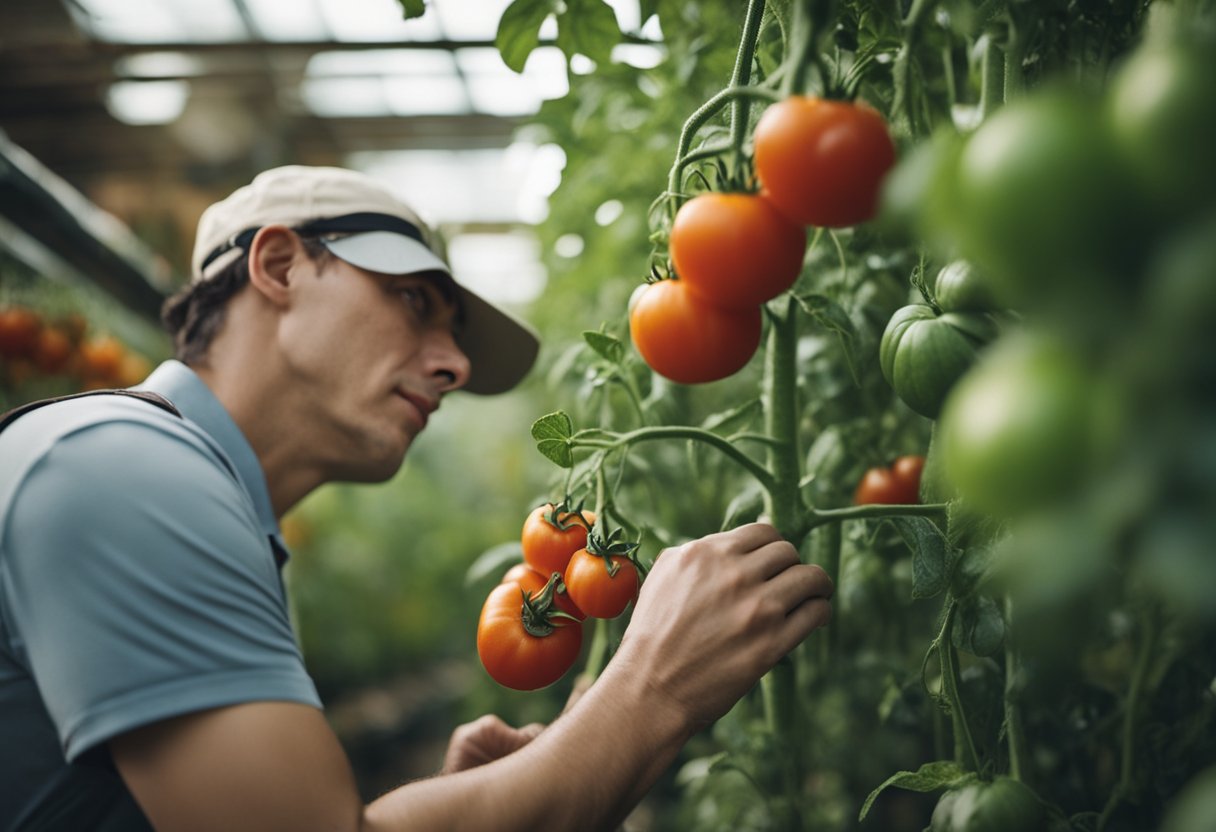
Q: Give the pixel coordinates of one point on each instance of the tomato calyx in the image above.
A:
(538, 612)
(610, 547)
(562, 516)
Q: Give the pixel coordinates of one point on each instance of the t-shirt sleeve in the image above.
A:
(140, 585)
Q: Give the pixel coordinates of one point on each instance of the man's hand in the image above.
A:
(484, 741)
(717, 613)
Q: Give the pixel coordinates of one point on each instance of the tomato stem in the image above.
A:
(623, 440)
(992, 75)
(779, 393)
(740, 107)
(950, 685)
(819, 517)
(1014, 734)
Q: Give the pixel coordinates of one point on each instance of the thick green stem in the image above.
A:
(992, 79)
(1014, 47)
(698, 120)
(828, 547)
(950, 685)
(779, 395)
(1131, 711)
(1014, 735)
(740, 108)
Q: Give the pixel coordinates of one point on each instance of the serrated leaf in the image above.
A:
(979, 627)
(828, 313)
(552, 434)
(608, 346)
(412, 8)
(519, 30)
(588, 27)
(932, 557)
(929, 777)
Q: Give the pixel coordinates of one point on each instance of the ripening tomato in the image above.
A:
(19, 329)
(735, 250)
(823, 162)
(101, 358)
(533, 582)
(550, 537)
(897, 485)
(688, 340)
(595, 590)
(520, 642)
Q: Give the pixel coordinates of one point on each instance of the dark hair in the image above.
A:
(195, 313)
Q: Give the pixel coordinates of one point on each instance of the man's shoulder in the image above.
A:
(96, 439)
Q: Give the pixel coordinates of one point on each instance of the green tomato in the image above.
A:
(1003, 805)
(1016, 431)
(959, 287)
(1163, 117)
(1042, 206)
(918, 193)
(1194, 808)
(922, 354)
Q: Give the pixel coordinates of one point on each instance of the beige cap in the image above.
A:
(372, 230)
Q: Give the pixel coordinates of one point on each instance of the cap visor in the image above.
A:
(501, 350)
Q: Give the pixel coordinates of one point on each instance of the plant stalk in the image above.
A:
(1014, 734)
(740, 107)
(950, 685)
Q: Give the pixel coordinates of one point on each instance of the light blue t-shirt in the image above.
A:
(138, 579)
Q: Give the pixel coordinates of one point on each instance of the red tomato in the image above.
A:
(18, 331)
(533, 582)
(897, 485)
(823, 162)
(594, 590)
(688, 340)
(520, 643)
(547, 548)
(735, 250)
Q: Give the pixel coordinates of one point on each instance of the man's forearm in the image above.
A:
(586, 771)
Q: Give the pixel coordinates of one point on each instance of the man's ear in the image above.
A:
(272, 253)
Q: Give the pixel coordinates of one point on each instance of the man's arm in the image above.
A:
(713, 616)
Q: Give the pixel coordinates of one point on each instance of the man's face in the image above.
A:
(374, 354)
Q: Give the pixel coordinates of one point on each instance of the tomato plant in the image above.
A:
(602, 579)
(523, 644)
(688, 340)
(735, 250)
(551, 534)
(822, 162)
(960, 288)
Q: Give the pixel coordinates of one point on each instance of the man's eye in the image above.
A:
(417, 299)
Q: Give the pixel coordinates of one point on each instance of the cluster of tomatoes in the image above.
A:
(819, 162)
(530, 631)
(33, 345)
(896, 484)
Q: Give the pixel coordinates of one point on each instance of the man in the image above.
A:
(148, 671)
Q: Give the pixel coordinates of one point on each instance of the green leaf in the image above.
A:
(588, 27)
(978, 627)
(828, 313)
(929, 777)
(932, 558)
(552, 434)
(493, 561)
(608, 346)
(412, 8)
(519, 30)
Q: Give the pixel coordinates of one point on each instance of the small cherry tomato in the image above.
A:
(596, 590)
(897, 485)
(551, 535)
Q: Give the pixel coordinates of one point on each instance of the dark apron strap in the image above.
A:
(152, 398)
